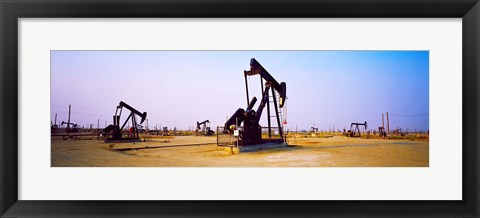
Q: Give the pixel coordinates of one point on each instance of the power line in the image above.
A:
(409, 115)
(82, 108)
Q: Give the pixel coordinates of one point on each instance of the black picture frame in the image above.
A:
(12, 10)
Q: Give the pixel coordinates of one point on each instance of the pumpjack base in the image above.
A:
(121, 140)
(255, 148)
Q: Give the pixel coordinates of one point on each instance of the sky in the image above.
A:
(325, 89)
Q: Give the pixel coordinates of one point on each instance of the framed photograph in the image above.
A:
(239, 108)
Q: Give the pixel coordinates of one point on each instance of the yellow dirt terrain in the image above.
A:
(197, 151)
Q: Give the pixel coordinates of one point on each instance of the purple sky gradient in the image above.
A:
(178, 88)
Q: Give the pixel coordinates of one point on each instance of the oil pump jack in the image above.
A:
(354, 131)
(251, 133)
(113, 132)
(54, 126)
(204, 128)
(71, 127)
(74, 128)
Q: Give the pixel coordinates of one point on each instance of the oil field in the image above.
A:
(172, 151)
(257, 135)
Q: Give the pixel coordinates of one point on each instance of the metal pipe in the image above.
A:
(280, 131)
(131, 114)
(246, 85)
(388, 125)
(252, 103)
(69, 110)
(262, 103)
(383, 122)
(268, 115)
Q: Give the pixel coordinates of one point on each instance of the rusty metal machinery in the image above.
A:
(74, 128)
(54, 126)
(165, 130)
(355, 132)
(251, 131)
(71, 127)
(114, 132)
(203, 128)
(382, 132)
(398, 132)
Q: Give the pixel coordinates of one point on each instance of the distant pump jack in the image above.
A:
(355, 132)
(114, 132)
(203, 128)
(74, 127)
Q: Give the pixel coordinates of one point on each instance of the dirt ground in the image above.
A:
(202, 151)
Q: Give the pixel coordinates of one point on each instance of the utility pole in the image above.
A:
(388, 125)
(69, 110)
(383, 122)
(296, 132)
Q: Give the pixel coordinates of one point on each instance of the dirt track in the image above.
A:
(305, 152)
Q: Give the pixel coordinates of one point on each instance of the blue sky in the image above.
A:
(177, 88)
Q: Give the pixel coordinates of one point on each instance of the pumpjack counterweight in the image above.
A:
(246, 121)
